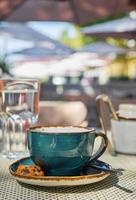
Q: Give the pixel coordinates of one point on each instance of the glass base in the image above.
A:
(15, 155)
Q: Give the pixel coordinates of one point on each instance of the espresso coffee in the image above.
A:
(59, 129)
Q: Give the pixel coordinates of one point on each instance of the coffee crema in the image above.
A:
(68, 129)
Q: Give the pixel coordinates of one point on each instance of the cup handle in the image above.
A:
(102, 147)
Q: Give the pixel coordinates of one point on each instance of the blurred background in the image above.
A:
(78, 49)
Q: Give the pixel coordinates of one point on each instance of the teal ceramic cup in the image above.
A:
(63, 151)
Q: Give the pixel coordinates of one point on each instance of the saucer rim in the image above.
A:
(55, 178)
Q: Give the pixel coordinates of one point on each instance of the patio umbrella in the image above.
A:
(103, 48)
(51, 50)
(125, 27)
(78, 11)
(23, 32)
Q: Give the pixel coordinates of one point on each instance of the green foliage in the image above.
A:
(4, 66)
(78, 41)
(105, 19)
(120, 78)
(121, 42)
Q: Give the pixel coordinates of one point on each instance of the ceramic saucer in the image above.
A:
(88, 176)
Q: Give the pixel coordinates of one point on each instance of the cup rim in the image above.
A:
(127, 107)
(32, 130)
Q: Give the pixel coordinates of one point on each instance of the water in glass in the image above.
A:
(19, 110)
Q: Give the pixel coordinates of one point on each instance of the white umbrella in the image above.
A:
(118, 26)
(103, 48)
(44, 44)
(21, 31)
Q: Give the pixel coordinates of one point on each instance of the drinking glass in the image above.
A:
(19, 108)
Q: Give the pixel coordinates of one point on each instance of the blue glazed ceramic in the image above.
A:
(88, 169)
(63, 151)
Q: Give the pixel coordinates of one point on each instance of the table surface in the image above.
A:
(114, 187)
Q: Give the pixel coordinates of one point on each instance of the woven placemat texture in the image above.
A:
(114, 187)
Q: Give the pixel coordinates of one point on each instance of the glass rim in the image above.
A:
(19, 79)
(4, 83)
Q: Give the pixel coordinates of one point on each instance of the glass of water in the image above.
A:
(19, 109)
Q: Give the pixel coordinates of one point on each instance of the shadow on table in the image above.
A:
(111, 181)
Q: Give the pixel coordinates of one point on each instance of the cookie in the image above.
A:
(29, 170)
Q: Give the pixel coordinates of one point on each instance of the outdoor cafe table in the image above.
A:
(114, 187)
